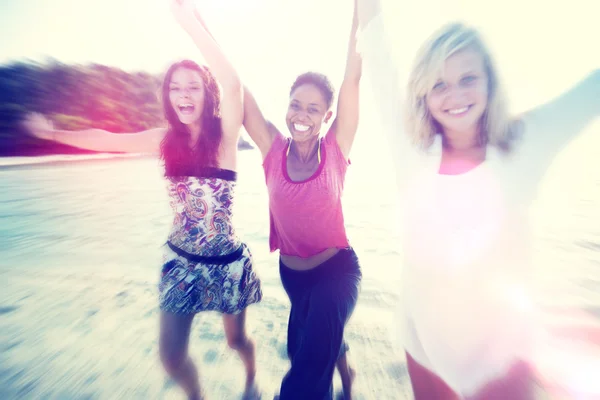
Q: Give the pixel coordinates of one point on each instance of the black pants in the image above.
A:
(323, 299)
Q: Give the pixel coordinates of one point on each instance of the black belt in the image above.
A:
(221, 260)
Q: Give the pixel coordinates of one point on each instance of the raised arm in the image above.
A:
(380, 67)
(346, 121)
(147, 141)
(382, 73)
(261, 131)
(550, 127)
(232, 115)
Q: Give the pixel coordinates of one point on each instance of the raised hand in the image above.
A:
(185, 13)
(39, 126)
(367, 10)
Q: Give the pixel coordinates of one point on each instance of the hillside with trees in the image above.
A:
(74, 98)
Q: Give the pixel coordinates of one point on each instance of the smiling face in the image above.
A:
(186, 95)
(307, 112)
(459, 98)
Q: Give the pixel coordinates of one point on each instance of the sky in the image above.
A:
(541, 47)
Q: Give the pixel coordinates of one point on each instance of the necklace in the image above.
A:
(318, 150)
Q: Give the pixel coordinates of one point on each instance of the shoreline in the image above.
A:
(10, 162)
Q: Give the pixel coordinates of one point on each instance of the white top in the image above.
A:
(466, 237)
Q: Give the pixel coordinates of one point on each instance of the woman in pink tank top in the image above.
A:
(305, 175)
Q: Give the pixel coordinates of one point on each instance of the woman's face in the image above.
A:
(307, 112)
(459, 98)
(186, 93)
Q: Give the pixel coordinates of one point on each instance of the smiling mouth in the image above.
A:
(301, 128)
(459, 111)
(186, 108)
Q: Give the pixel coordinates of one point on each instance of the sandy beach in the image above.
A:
(80, 261)
(74, 334)
(78, 312)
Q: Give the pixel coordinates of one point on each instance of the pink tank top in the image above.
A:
(306, 216)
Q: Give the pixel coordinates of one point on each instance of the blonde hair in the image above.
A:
(497, 128)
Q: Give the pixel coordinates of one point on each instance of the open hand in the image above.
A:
(367, 10)
(38, 126)
(185, 13)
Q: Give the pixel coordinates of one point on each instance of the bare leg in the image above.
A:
(173, 343)
(235, 330)
(517, 384)
(347, 374)
(426, 385)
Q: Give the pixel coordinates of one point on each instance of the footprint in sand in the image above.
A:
(5, 373)
(397, 370)
(210, 356)
(122, 298)
(8, 309)
(209, 333)
(282, 350)
(26, 390)
(15, 376)
(11, 345)
(92, 378)
(169, 383)
(91, 313)
(151, 312)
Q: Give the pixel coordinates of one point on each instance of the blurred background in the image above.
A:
(81, 233)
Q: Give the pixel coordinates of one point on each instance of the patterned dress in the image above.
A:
(205, 265)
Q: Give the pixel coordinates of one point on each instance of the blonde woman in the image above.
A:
(468, 173)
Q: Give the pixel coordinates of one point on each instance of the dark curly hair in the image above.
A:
(180, 159)
(320, 81)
